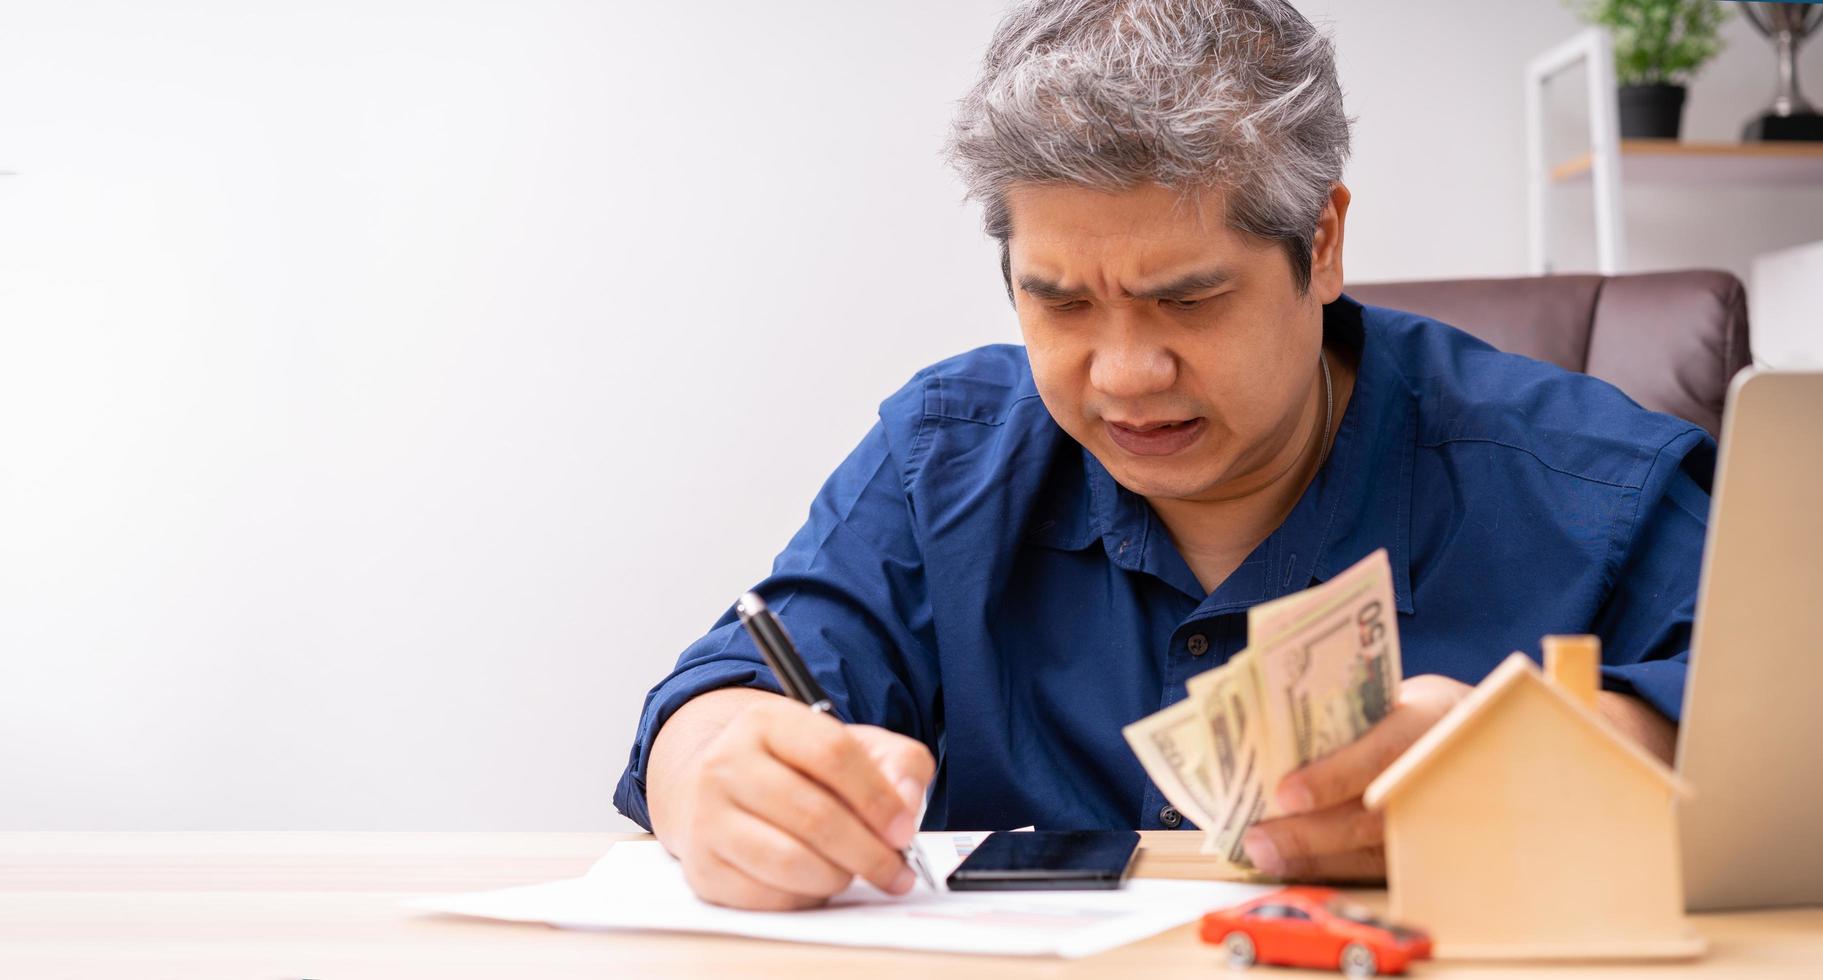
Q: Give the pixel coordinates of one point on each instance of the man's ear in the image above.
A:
(1326, 246)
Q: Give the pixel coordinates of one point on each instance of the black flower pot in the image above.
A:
(1651, 111)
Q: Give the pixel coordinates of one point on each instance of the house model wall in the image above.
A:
(1523, 825)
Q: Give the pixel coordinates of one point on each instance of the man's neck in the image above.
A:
(1215, 536)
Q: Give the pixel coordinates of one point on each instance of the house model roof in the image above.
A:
(1515, 672)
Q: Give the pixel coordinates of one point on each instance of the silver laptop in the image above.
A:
(1751, 739)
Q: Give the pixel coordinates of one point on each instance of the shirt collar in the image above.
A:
(1360, 500)
(1368, 491)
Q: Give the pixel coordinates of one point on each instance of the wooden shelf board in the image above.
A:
(1675, 161)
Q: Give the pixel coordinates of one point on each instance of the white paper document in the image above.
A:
(638, 886)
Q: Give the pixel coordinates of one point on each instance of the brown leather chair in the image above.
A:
(1670, 340)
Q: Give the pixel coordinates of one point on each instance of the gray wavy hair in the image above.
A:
(1235, 94)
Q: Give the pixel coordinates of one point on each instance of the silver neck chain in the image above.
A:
(1329, 407)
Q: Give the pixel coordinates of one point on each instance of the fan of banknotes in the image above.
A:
(1321, 666)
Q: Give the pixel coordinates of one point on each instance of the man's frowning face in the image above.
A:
(1176, 350)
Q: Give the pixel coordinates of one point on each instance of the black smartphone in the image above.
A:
(1031, 860)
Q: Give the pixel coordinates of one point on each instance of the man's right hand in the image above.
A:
(769, 805)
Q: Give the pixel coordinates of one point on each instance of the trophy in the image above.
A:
(1786, 25)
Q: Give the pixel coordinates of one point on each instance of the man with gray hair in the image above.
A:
(1038, 544)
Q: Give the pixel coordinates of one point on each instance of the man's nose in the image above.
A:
(1129, 367)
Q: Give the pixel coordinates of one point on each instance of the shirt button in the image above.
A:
(1170, 817)
(1198, 644)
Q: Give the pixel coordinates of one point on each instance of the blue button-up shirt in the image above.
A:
(972, 577)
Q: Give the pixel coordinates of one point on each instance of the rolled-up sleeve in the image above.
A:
(850, 589)
(1646, 621)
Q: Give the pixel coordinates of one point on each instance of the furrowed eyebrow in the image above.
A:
(1046, 289)
(1190, 285)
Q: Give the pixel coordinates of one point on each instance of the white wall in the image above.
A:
(371, 373)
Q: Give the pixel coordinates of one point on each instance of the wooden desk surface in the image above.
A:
(326, 905)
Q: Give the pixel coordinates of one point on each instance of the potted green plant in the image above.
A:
(1658, 46)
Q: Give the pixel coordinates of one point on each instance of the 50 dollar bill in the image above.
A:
(1323, 665)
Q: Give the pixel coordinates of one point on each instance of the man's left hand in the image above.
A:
(1326, 833)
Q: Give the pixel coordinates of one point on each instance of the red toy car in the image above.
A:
(1313, 927)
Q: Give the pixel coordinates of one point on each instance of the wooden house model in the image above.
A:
(1523, 825)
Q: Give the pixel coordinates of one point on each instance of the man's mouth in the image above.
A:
(1151, 426)
(1155, 437)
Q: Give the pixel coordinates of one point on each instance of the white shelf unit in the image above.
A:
(1612, 162)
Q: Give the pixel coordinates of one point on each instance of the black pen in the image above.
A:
(782, 656)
